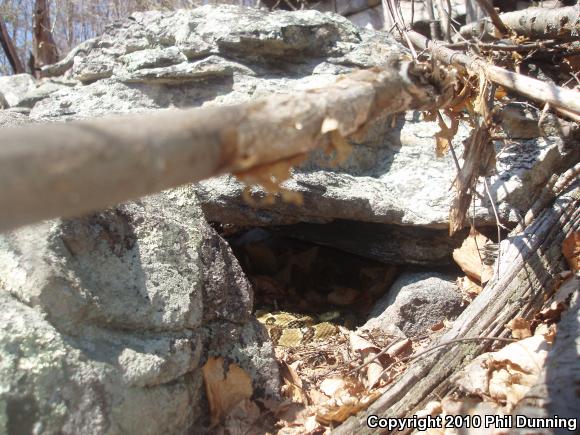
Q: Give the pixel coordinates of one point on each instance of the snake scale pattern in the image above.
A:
(293, 330)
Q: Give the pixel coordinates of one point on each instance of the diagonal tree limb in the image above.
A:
(9, 49)
(531, 263)
(536, 90)
(493, 16)
(74, 168)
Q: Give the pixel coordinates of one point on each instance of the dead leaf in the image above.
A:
(359, 344)
(337, 414)
(293, 388)
(469, 288)
(570, 285)
(343, 296)
(374, 371)
(558, 303)
(270, 177)
(520, 328)
(552, 313)
(331, 386)
(571, 250)
(500, 93)
(224, 390)
(429, 116)
(469, 257)
(549, 332)
(399, 347)
(506, 375)
(438, 326)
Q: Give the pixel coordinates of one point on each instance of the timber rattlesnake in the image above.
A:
(292, 329)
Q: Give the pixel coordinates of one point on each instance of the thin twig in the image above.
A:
(444, 17)
(456, 341)
(494, 16)
(503, 47)
(377, 356)
(448, 343)
(485, 183)
(562, 99)
(394, 11)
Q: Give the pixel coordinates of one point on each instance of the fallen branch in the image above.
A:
(536, 90)
(539, 45)
(555, 185)
(75, 168)
(534, 23)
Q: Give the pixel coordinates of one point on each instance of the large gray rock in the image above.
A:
(10, 118)
(14, 88)
(209, 55)
(111, 383)
(106, 320)
(416, 301)
(227, 54)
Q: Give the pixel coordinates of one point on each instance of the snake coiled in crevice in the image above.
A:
(293, 330)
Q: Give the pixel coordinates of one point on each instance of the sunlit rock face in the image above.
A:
(217, 55)
(106, 320)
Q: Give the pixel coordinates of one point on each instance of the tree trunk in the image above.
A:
(528, 269)
(44, 49)
(473, 11)
(9, 49)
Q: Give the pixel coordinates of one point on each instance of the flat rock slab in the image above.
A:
(389, 244)
(391, 177)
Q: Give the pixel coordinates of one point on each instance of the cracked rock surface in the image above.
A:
(106, 320)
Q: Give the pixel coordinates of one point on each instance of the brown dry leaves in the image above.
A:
(495, 382)
(270, 177)
(571, 250)
(228, 395)
(469, 257)
(328, 382)
(444, 136)
(505, 376)
(520, 328)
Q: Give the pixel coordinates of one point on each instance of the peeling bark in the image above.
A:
(535, 23)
